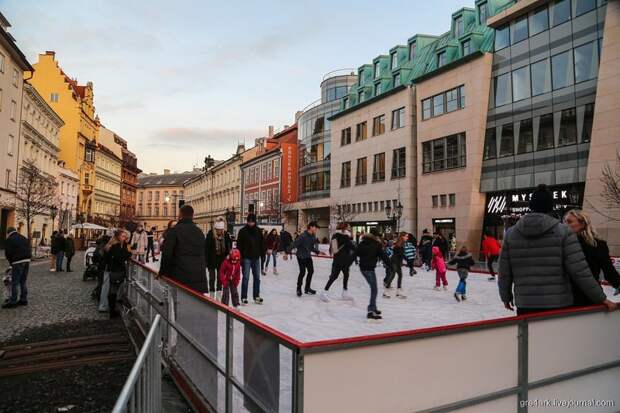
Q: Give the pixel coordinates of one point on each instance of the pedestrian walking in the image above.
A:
(139, 244)
(286, 242)
(439, 265)
(218, 246)
(463, 261)
(542, 260)
(69, 250)
(17, 252)
(411, 253)
(369, 251)
(396, 267)
(150, 244)
(115, 259)
(250, 243)
(183, 257)
(491, 248)
(58, 250)
(425, 248)
(272, 243)
(52, 252)
(595, 251)
(306, 244)
(263, 256)
(343, 252)
(229, 275)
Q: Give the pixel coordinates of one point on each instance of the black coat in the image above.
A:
(213, 260)
(183, 256)
(58, 244)
(442, 244)
(17, 248)
(346, 249)
(250, 242)
(461, 260)
(116, 257)
(69, 247)
(369, 250)
(426, 244)
(598, 260)
(286, 240)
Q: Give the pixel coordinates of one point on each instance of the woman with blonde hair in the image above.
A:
(115, 256)
(595, 250)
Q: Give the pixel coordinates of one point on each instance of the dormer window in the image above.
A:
(412, 50)
(466, 47)
(394, 60)
(377, 89)
(397, 79)
(458, 26)
(441, 58)
(345, 102)
(483, 12)
(360, 79)
(360, 97)
(377, 69)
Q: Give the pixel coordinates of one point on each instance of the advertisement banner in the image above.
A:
(290, 159)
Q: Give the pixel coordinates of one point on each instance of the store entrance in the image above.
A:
(445, 226)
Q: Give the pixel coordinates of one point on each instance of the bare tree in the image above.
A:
(611, 184)
(35, 193)
(342, 212)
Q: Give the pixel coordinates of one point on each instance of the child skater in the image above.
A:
(439, 265)
(230, 276)
(464, 262)
(410, 253)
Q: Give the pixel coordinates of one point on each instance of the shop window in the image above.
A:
(519, 30)
(586, 62)
(361, 172)
(545, 132)
(502, 37)
(502, 89)
(378, 169)
(541, 77)
(506, 143)
(378, 125)
(345, 137)
(398, 163)
(568, 127)
(560, 12)
(562, 70)
(526, 137)
(539, 22)
(521, 83)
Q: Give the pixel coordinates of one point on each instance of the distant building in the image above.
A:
(68, 187)
(129, 184)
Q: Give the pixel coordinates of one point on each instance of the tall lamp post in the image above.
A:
(53, 213)
(394, 215)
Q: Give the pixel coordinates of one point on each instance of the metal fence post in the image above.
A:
(298, 382)
(229, 363)
(522, 371)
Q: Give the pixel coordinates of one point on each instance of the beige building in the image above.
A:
(373, 163)
(40, 134)
(13, 64)
(196, 190)
(68, 187)
(108, 167)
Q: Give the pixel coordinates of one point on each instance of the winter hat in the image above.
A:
(251, 218)
(235, 254)
(541, 200)
(220, 225)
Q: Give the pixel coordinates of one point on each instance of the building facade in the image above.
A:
(39, 144)
(13, 64)
(74, 103)
(129, 184)
(68, 188)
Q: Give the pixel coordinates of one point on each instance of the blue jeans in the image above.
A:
(371, 279)
(252, 264)
(274, 254)
(59, 257)
(19, 276)
(461, 287)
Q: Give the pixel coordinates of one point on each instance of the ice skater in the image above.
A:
(272, 242)
(230, 275)
(343, 250)
(491, 248)
(463, 261)
(411, 253)
(369, 250)
(439, 265)
(425, 248)
(396, 267)
(306, 244)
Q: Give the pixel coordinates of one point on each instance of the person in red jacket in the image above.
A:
(230, 274)
(491, 249)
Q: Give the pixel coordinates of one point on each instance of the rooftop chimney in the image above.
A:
(166, 171)
(271, 131)
(50, 53)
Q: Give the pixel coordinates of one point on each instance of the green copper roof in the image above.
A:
(427, 51)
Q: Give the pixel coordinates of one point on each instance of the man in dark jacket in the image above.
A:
(541, 257)
(250, 243)
(286, 241)
(17, 252)
(218, 246)
(150, 244)
(370, 250)
(306, 243)
(343, 251)
(426, 249)
(183, 257)
(69, 250)
(58, 249)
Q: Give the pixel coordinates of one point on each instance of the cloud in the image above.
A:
(218, 140)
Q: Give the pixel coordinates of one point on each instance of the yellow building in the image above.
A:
(74, 103)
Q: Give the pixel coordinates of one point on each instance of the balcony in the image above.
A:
(86, 188)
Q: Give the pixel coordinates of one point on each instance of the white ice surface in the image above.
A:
(309, 319)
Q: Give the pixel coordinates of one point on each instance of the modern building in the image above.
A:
(314, 134)
(159, 197)
(39, 144)
(13, 64)
(68, 188)
(108, 172)
(74, 103)
(271, 172)
(129, 184)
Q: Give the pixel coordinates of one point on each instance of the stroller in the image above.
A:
(92, 268)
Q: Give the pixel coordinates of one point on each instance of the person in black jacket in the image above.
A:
(369, 250)
(183, 257)
(218, 246)
(58, 250)
(306, 244)
(250, 243)
(596, 252)
(116, 254)
(463, 261)
(286, 242)
(18, 254)
(343, 251)
(396, 267)
(426, 249)
(69, 250)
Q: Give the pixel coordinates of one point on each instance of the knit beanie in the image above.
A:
(541, 200)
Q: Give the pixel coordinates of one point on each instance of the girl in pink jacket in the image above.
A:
(439, 265)
(230, 276)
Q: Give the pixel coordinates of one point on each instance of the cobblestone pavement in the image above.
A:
(53, 298)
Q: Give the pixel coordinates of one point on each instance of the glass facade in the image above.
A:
(539, 124)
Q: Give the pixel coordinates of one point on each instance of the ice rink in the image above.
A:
(307, 318)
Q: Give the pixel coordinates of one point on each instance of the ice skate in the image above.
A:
(399, 294)
(457, 297)
(436, 288)
(244, 301)
(275, 271)
(258, 300)
(263, 272)
(463, 297)
(310, 291)
(386, 294)
(346, 296)
(491, 278)
(324, 296)
(372, 315)
(445, 288)
(299, 292)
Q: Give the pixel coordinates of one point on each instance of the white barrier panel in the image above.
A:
(411, 375)
(504, 405)
(566, 344)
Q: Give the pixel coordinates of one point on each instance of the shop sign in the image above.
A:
(516, 202)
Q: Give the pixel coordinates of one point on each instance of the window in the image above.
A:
(560, 12)
(521, 83)
(568, 127)
(502, 37)
(586, 62)
(502, 90)
(588, 118)
(378, 167)
(377, 89)
(13, 110)
(458, 26)
(545, 132)
(54, 97)
(412, 50)
(361, 131)
(0, 99)
(442, 200)
(506, 143)
(483, 12)
(452, 100)
(426, 108)
(360, 97)
(435, 201)
(490, 144)
(427, 157)
(438, 105)
(394, 60)
(539, 22)
(584, 6)
(377, 69)
(466, 47)
(360, 78)
(444, 153)
(399, 163)
(7, 182)
(345, 175)
(398, 118)
(11, 144)
(378, 125)
(541, 77)
(345, 101)
(562, 70)
(519, 30)
(2, 60)
(396, 79)
(15, 77)
(526, 137)
(452, 200)
(361, 171)
(345, 137)
(461, 96)
(441, 58)
(452, 152)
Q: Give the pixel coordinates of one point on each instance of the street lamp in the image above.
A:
(395, 215)
(53, 212)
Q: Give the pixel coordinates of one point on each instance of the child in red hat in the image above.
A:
(230, 276)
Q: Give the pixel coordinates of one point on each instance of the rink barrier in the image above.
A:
(514, 359)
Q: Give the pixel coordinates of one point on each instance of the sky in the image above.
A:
(180, 80)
